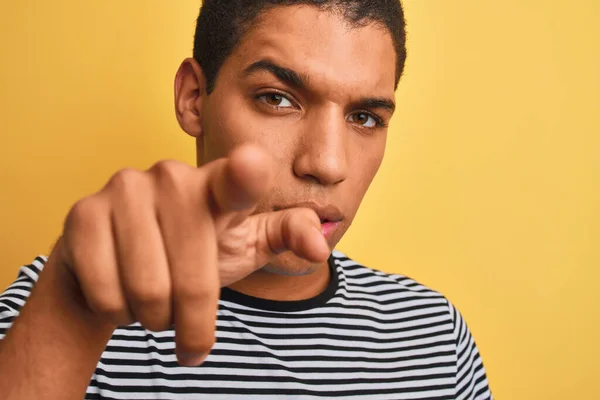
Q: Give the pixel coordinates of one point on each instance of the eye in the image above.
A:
(275, 100)
(365, 119)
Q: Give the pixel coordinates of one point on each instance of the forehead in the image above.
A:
(321, 45)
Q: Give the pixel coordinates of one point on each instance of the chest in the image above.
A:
(273, 358)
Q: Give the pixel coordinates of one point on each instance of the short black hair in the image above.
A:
(222, 24)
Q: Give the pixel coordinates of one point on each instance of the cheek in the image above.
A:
(224, 129)
(235, 121)
(366, 161)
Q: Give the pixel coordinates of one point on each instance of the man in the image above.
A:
(219, 282)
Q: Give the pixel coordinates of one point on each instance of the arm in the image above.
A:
(53, 346)
(148, 248)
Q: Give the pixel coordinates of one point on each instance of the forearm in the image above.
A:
(52, 348)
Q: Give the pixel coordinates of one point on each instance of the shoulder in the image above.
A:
(422, 308)
(15, 296)
(28, 274)
(360, 277)
(32, 271)
(396, 294)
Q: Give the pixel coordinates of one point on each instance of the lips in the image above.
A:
(328, 228)
(329, 215)
(326, 213)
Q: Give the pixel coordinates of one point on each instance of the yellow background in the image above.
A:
(489, 191)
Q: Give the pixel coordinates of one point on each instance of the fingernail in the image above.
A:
(319, 229)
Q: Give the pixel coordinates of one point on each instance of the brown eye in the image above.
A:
(276, 100)
(364, 119)
(361, 118)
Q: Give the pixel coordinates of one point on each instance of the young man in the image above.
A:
(219, 282)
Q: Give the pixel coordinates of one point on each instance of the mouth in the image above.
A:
(329, 215)
(329, 227)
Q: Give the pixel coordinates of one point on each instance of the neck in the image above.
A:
(272, 286)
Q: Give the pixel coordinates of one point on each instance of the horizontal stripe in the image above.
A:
(433, 366)
(279, 389)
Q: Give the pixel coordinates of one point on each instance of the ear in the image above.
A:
(190, 88)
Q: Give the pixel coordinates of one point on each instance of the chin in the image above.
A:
(288, 264)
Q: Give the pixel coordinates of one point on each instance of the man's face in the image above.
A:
(317, 95)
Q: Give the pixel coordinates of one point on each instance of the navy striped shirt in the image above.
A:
(370, 335)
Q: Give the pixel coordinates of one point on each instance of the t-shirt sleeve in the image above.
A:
(15, 296)
(471, 378)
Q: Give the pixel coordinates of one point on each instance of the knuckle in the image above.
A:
(157, 325)
(308, 214)
(108, 308)
(188, 297)
(168, 171)
(126, 180)
(152, 294)
(80, 221)
(292, 217)
(170, 176)
(167, 165)
(294, 224)
(196, 296)
(83, 210)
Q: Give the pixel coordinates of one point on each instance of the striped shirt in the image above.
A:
(370, 335)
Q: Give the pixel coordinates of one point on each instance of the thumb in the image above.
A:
(296, 229)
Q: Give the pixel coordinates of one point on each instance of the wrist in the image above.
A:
(56, 338)
(60, 284)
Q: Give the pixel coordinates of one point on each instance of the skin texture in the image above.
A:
(321, 147)
(156, 246)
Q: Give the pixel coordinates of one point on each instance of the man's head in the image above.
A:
(312, 82)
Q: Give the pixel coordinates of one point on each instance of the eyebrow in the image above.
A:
(300, 81)
(286, 75)
(377, 102)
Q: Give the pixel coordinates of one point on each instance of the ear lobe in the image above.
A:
(190, 85)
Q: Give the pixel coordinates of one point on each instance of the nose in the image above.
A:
(323, 147)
